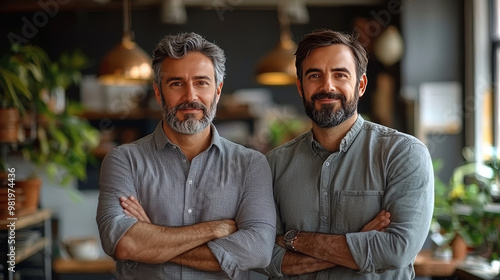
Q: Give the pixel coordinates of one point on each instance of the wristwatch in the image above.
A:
(289, 237)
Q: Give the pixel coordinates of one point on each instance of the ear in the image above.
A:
(299, 88)
(157, 93)
(219, 91)
(363, 82)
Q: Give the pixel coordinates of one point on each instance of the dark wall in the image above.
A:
(245, 34)
(434, 36)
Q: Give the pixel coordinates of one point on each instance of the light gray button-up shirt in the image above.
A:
(226, 181)
(338, 193)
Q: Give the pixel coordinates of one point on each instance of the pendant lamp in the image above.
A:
(126, 63)
(278, 66)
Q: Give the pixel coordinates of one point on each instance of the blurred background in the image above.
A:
(432, 73)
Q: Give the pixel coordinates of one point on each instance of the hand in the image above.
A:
(379, 223)
(133, 209)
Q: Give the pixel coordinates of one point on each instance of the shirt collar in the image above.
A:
(318, 150)
(161, 140)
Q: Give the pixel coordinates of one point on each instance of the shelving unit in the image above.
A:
(41, 218)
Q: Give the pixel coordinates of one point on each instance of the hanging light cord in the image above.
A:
(284, 21)
(127, 20)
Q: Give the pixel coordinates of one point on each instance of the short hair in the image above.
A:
(177, 46)
(324, 38)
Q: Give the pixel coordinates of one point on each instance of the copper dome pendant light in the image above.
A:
(278, 66)
(126, 63)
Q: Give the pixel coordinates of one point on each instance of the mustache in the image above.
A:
(328, 95)
(191, 105)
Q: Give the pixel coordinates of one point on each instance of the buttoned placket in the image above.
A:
(324, 193)
(189, 188)
(190, 196)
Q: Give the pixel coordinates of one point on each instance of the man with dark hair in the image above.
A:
(183, 202)
(330, 181)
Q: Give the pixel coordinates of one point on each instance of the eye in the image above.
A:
(203, 83)
(313, 76)
(341, 75)
(175, 84)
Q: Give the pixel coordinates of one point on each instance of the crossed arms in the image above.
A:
(148, 243)
(312, 256)
(184, 249)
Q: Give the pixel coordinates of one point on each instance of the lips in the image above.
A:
(326, 96)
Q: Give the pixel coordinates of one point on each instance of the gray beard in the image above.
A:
(189, 125)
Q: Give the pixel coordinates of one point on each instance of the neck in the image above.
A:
(191, 145)
(330, 138)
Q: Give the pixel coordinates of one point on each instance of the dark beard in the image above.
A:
(327, 116)
(189, 125)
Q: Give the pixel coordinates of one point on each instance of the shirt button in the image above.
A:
(327, 163)
(325, 193)
(190, 211)
(190, 182)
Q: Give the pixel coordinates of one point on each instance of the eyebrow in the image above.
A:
(169, 79)
(338, 69)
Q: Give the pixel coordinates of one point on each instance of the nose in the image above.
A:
(328, 84)
(190, 93)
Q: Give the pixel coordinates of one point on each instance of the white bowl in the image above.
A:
(86, 248)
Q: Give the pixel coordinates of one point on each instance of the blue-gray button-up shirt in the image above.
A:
(338, 193)
(226, 181)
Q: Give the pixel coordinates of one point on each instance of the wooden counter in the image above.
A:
(426, 266)
(65, 266)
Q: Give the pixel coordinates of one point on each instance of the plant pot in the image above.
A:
(9, 123)
(459, 248)
(31, 191)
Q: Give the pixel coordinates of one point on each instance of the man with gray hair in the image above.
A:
(183, 202)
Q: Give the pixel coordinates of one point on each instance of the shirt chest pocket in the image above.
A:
(354, 209)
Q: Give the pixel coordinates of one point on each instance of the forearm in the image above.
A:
(200, 258)
(326, 247)
(148, 243)
(297, 263)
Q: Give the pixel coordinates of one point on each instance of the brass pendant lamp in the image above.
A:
(126, 63)
(278, 66)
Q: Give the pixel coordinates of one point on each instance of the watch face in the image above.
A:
(291, 234)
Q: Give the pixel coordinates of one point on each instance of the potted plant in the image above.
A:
(64, 140)
(462, 207)
(61, 141)
(21, 73)
(20, 69)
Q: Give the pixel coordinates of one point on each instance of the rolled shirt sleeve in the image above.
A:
(251, 246)
(115, 181)
(409, 197)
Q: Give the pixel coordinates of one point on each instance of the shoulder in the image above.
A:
(394, 145)
(297, 143)
(389, 135)
(234, 150)
(139, 148)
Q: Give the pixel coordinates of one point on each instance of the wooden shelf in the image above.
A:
(26, 252)
(39, 218)
(136, 114)
(27, 220)
(65, 266)
(240, 112)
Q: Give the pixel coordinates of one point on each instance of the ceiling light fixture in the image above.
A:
(126, 63)
(278, 66)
